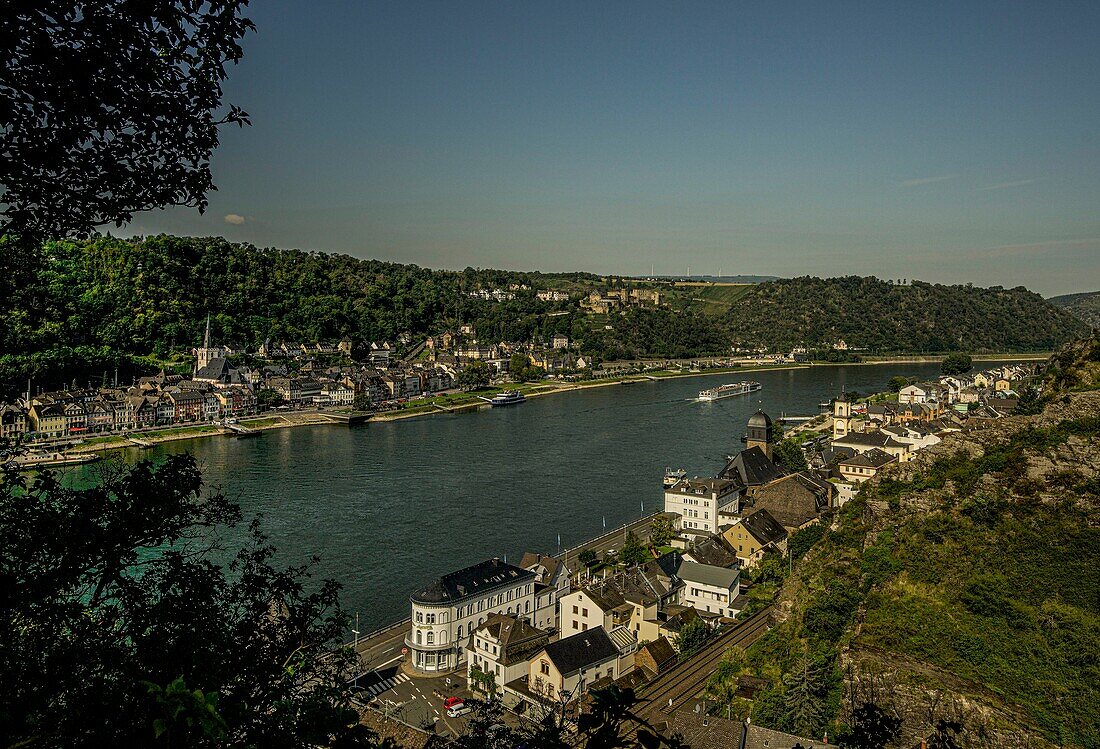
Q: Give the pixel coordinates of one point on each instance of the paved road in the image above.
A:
(612, 540)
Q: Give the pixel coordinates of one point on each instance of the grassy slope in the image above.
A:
(964, 585)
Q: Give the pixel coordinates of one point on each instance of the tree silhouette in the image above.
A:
(110, 107)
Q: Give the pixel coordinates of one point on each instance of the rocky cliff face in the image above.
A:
(963, 586)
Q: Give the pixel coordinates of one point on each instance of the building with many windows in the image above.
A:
(698, 502)
(446, 612)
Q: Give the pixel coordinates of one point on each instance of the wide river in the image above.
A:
(388, 506)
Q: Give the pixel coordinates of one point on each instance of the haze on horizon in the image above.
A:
(948, 142)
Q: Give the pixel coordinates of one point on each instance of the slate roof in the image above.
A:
(751, 467)
(518, 639)
(533, 561)
(660, 650)
(713, 550)
(873, 458)
(705, 574)
(764, 528)
(791, 501)
(472, 581)
(704, 731)
(868, 439)
(757, 737)
(581, 650)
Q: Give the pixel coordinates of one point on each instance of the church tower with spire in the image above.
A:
(206, 353)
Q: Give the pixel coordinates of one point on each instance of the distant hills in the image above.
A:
(82, 308)
(1084, 306)
(708, 279)
(876, 315)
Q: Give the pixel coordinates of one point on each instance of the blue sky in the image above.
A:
(952, 142)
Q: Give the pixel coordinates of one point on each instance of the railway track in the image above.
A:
(670, 691)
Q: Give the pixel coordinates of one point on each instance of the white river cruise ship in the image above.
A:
(731, 389)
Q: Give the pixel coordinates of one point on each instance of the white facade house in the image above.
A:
(502, 648)
(583, 609)
(445, 613)
(919, 393)
(710, 589)
(698, 502)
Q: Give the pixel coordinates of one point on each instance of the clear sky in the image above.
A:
(951, 142)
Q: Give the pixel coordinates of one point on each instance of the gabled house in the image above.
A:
(500, 651)
(563, 670)
(863, 466)
(755, 535)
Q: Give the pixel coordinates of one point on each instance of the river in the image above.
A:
(387, 506)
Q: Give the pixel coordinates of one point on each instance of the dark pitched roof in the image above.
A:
(580, 650)
(873, 458)
(660, 650)
(764, 528)
(518, 639)
(790, 501)
(751, 467)
(472, 581)
(714, 550)
(758, 737)
(533, 561)
(868, 439)
(704, 731)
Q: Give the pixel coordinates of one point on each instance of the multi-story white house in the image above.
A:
(698, 502)
(447, 612)
(709, 588)
(501, 649)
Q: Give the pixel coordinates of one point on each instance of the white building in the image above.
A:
(710, 589)
(445, 613)
(502, 648)
(698, 502)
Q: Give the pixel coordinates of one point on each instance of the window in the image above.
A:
(460, 631)
(574, 609)
(419, 617)
(419, 637)
(584, 612)
(575, 625)
(526, 607)
(431, 638)
(544, 667)
(584, 626)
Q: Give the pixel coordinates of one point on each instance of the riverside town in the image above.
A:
(572, 375)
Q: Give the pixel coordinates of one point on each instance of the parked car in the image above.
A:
(452, 702)
(456, 710)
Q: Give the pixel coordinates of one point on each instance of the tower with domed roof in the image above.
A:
(760, 433)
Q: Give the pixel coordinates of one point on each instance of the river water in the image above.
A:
(388, 506)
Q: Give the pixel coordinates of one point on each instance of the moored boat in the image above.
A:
(507, 398)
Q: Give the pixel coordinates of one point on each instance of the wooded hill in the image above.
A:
(883, 317)
(1085, 307)
(959, 587)
(78, 309)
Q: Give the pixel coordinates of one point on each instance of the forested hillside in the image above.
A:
(881, 316)
(960, 587)
(80, 308)
(1085, 307)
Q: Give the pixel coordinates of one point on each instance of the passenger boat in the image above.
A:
(52, 459)
(728, 390)
(507, 398)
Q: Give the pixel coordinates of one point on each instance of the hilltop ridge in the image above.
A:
(81, 308)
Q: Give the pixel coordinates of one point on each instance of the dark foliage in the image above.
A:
(882, 317)
(956, 364)
(110, 107)
(119, 627)
(872, 728)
